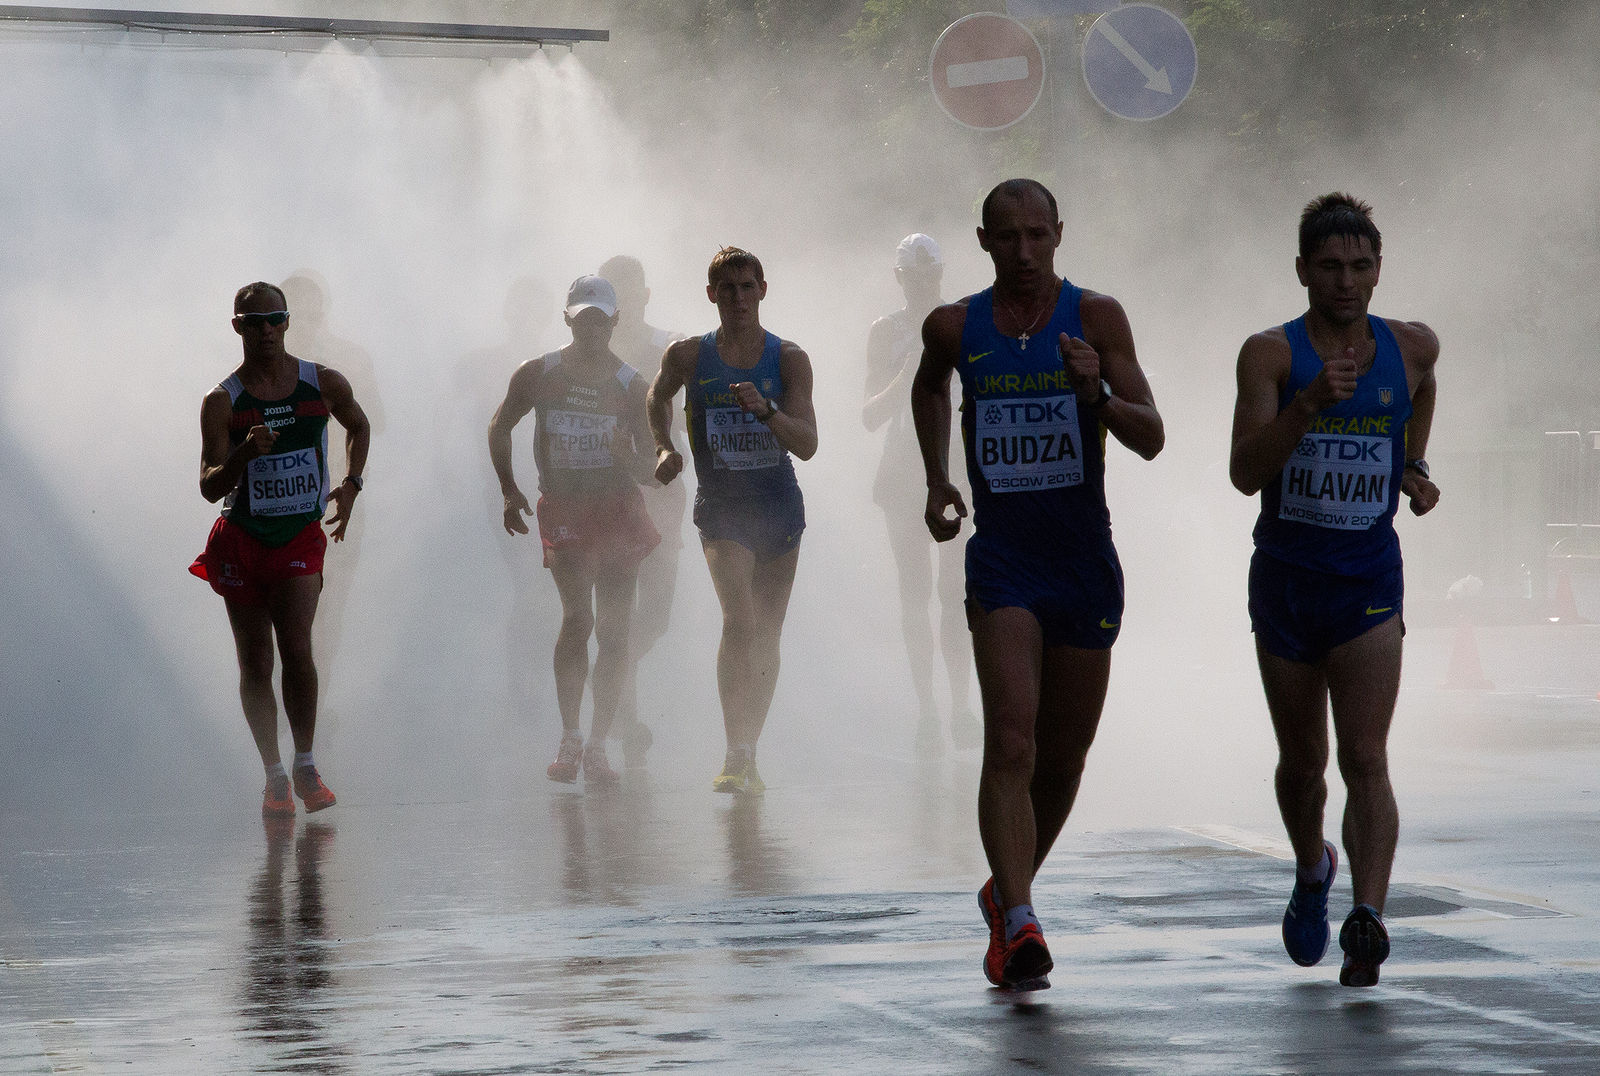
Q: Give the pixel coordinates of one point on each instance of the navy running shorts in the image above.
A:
(1300, 614)
(768, 525)
(1077, 600)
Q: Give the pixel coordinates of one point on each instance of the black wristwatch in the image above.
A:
(772, 409)
(1105, 395)
(354, 480)
(1419, 466)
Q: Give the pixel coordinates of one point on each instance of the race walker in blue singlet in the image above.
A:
(1327, 563)
(747, 490)
(1026, 432)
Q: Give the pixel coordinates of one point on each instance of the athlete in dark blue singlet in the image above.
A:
(1330, 427)
(748, 401)
(1046, 369)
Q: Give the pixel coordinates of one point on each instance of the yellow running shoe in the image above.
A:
(736, 768)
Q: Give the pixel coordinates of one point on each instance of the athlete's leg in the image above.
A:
(574, 578)
(1072, 695)
(1008, 647)
(733, 569)
(912, 568)
(771, 586)
(293, 605)
(1297, 698)
(614, 587)
(1363, 683)
(252, 642)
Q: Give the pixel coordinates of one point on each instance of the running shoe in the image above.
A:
(753, 784)
(636, 740)
(1366, 945)
(565, 767)
(1305, 921)
(596, 767)
(312, 792)
(276, 802)
(735, 771)
(1022, 963)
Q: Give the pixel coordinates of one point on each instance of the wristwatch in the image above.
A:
(1419, 465)
(1105, 395)
(354, 480)
(772, 409)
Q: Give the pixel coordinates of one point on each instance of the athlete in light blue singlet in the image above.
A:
(1330, 427)
(748, 399)
(1046, 370)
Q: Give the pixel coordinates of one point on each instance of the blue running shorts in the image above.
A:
(1299, 614)
(1077, 599)
(769, 525)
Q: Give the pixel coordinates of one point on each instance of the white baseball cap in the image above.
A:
(595, 291)
(918, 251)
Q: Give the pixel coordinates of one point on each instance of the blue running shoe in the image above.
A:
(1366, 945)
(1305, 921)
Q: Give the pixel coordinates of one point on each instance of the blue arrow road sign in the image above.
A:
(1139, 61)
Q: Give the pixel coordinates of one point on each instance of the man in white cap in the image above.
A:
(590, 445)
(894, 347)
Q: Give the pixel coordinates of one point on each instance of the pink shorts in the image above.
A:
(615, 526)
(243, 569)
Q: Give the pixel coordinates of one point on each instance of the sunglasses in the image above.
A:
(271, 317)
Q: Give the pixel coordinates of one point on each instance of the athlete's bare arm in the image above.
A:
(930, 412)
(342, 405)
(1264, 437)
(1106, 351)
(794, 424)
(1419, 349)
(518, 402)
(677, 367)
(221, 464)
(887, 375)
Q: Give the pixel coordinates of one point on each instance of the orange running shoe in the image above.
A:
(312, 792)
(275, 799)
(1021, 963)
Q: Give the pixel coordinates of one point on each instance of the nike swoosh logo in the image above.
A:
(1105, 624)
(708, 380)
(1374, 612)
(981, 354)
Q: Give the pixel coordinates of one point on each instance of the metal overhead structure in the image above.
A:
(277, 31)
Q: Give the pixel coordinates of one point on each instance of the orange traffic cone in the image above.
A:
(1565, 609)
(1466, 671)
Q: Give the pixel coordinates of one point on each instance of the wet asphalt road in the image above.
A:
(831, 926)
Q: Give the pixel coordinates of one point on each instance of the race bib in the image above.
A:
(579, 440)
(739, 441)
(1341, 482)
(1029, 444)
(285, 484)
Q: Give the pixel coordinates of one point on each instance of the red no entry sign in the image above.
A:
(987, 71)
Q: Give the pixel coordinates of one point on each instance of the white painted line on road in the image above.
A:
(985, 72)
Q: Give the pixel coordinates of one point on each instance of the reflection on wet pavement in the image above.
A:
(822, 927)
